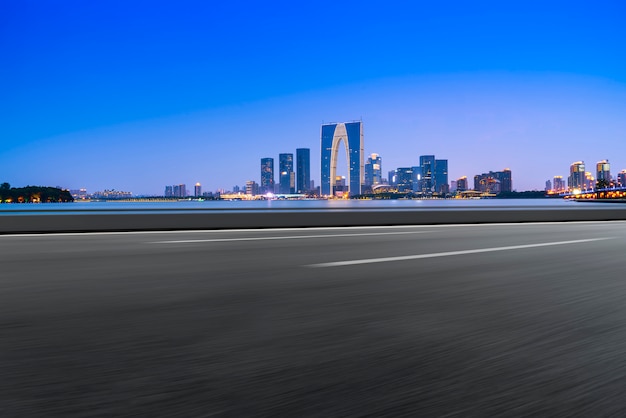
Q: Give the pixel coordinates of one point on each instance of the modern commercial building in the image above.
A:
(461, 184)
(303, 170)
(441, 177)
(621, 178)
(603, 172)
(404, 179)
(267, 175)
(576, 179)
(391, 178)
(197, 190)
(373, 171)
(427, 168)
(494, 182)
(558, 184)
(350, 134)
(287, 176)
(179, 190)
(252, 188)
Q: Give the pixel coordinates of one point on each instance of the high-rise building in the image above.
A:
(373, 170)
(404, 179)
(197, 190)
(303, 170)
(427, 165)
(351, 135)
(169, 191)
(506, 179)
(621, 178)
(453, 186)
(441, 177)
(287, 176)
(558, 184)
(416, 179)
(252, 188)
(461, 184)
(603, 172)
(576, 179)
(548, 186)
(494, 181)
(391, 178)
(179, 190)
(267, 175)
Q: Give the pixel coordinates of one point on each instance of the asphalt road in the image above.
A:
(483, 320)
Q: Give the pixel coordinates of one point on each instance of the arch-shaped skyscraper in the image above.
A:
(350, 134)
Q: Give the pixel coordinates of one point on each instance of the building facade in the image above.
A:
(404, 179)
(287, 176)
(603, 172)
(350, 134)
(494, 182)
(373, 171)
(267, 175)
(576, 179)
(303, 170)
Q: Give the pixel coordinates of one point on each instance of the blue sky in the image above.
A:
(134, 95)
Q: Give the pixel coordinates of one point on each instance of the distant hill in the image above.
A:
(33, 194)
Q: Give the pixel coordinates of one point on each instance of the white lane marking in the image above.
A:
(449, 253)
(318, 228)
(188, 241)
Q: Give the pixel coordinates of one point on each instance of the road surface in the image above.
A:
(463, 320)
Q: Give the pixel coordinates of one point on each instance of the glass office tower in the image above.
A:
(351, 135)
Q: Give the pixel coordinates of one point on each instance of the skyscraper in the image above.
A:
(267, 175)
(351, 135)
(287, 176)
(427, 165)
(494, 181)
(576, 179)
(373, 170)
(461, 184)
(303, 169)
(441, 177)
(621, 178)
(603, 172)
(197, 190)
(404, 179)
(558, 184)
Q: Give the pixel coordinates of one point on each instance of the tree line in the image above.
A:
(33, 194)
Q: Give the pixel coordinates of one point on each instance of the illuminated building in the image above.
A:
(391, 176)
(461, 184)
(252, 188)
(373, 171)
(603, 172)
(621, 178)
(303, 170)
(590, 182)
(351, 135)
(494, 182)
(267, 175)
(404, 179)
(197, 190)
(440, 180)
(576, 179)
(558, 184)
(548, 186)
(427, 167)
(287, 176)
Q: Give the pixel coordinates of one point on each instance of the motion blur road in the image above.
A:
(466, 320)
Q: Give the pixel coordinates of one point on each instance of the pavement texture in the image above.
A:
(257, 323)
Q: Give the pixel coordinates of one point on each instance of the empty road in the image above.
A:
(462, 320)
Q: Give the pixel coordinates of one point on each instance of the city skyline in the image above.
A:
(529, 87)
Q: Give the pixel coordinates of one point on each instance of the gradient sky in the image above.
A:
(136, 95)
